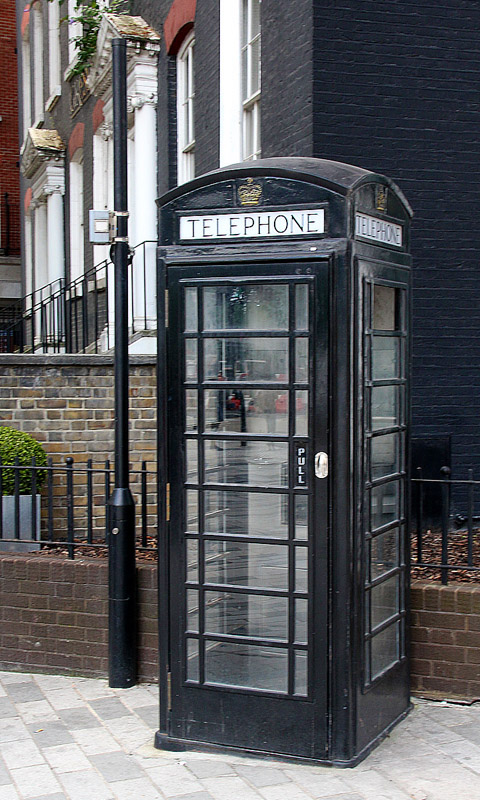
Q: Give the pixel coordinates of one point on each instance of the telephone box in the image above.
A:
(283, 408)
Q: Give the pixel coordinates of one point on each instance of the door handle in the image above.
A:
(321, 465)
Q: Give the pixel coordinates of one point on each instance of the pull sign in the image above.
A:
(301, 465)
(321, 465)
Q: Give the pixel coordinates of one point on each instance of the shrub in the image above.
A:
(16, 444)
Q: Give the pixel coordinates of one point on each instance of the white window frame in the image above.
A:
(186, 110)
(37, 66)
(54, 65)
(26, 84)
(74, 30)
(251, 81)
(77, 266)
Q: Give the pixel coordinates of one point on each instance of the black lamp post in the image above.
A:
(122, 583)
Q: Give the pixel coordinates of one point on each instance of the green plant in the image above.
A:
(17, 444)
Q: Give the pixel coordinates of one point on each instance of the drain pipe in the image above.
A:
(122, 644)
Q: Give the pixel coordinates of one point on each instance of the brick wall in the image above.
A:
(9, 170)
(53, 616)
(446, 640)
(67, 403)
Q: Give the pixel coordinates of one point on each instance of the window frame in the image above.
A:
(185, 63)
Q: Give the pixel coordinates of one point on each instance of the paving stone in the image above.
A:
(262, 776)
(50, 734)
(149, 714)
(174, 779)
(9, 792)
(21, 753)
(24, 692)
(137, 789)
(194, 796)
(4, 776)
(56, 796)
(76, 718)
(37, 711)
(94, 741)
(66, 758)
(64, 698)
(35, 781)
(109, 708)
(230, 789)
(7, 709)
(116, 766)
(15, 677)
(85, 785)
(12, 728)
(209, 769)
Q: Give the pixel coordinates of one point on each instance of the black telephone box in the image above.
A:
(283, 409)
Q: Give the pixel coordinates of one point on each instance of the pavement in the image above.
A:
(64, 738)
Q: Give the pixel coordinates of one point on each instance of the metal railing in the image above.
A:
(442, 542)
(77, 317)
(67, 509)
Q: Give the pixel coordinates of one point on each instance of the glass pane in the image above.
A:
(255, 66)
(301, 307)
(192, 511)
(301, 413)
(192, 560)
(247, 665)
(301, 517)
(192, 610)
(385, 506)
(385, 358)
(247, 513)
(261, 308)
(192, 660)
(255, 23)
(384, 600)
(385, 455)
(246, 615)
(384, 308)
(191, 359)
(385, 407)
(301, 360)
(253, 360)
(246, 411)
(191, 310)
(256, 463)
(243, 564)
(301, 664)
(191, 410)
(301, 621)
(383, 553)
(191, 456)
(301, 569)
(385, 649)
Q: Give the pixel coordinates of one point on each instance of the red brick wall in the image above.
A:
(445, 640)
(53, 616)
(9, 155)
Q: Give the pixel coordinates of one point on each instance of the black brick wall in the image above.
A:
(207, 86)
(396, 89)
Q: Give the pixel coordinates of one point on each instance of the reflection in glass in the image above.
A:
(301, 360)
(192, 660)
(384, 600)
(256, 463)
(385, 504)
(301, 413)
(385, 649)
(385, 407)
(247, 665)
(192, 560)
(256, 360)
(383, 553)
(384, 308)
(244, 564)
(301, 621)
(258, 307)
(191, 312)
(191, 410)
(239, 614)
(191, 470)
(385, 357)
(191, 360)
(301, 516)
(385, 455)
(301, 664)
(192, 510)
(301, 307)
(246, 513)
(192, 610)
(246, 411)
(301, 569)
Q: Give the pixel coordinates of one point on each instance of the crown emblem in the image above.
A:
(249, 193)
(381, 193)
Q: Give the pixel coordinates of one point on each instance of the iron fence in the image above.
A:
(77, 317)
(443, 541)
(66, 507)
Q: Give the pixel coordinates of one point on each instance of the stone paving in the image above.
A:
(76, 739)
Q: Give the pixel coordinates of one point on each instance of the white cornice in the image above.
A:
(40, 147)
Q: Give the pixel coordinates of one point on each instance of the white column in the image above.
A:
(55, 234)
(145, 223)
(230, 82)
(40, 252)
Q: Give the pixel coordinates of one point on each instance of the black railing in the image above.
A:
(66, 507)
(77, 317)
(445, 543)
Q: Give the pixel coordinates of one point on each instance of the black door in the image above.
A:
(248, 537)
